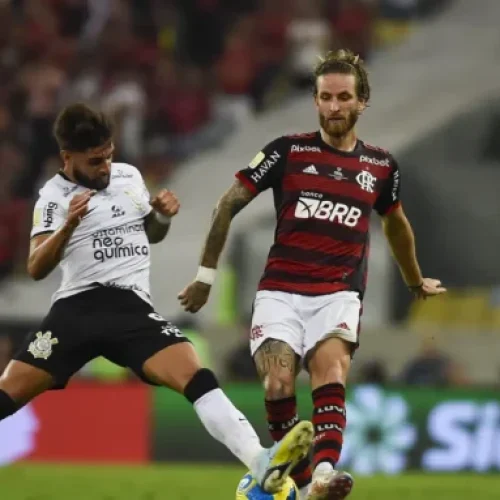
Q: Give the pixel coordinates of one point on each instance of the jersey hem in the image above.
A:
(301, 292)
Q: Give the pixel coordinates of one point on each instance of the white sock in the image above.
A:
(323, 468)
(228, 425)
(303, 492)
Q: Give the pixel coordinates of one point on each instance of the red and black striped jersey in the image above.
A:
(323, 199)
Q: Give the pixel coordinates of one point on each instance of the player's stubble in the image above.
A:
(98, 183)
(339, 127)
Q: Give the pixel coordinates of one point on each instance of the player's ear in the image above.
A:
(65, 155)
(361, 106)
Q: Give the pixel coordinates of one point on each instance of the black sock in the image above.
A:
(202, 382)
(7, 405)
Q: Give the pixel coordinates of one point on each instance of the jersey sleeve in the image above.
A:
(137, 189)
(48, 216)
(389, 197)
(267, 168)
(144, 194)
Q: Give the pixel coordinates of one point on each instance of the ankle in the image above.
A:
(324, 467)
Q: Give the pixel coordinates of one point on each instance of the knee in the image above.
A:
(276, 364)
(279, 385)
(334, 373)
(330, 363)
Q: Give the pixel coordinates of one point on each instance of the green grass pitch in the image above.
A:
(203, 482)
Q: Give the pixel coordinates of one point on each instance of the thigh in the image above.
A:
(139, 335)
(173, 367)
(276, 318)
(334, 315)
(23, 382)
(62, 345)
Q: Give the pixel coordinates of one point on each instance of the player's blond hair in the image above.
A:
(346, 62)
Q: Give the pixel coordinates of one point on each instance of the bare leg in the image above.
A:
(19, 384)
(329, 363)
(173, 367)
(277, 366)
(178, 367)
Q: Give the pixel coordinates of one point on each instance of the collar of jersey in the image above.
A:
(64, 176)
(354, 152)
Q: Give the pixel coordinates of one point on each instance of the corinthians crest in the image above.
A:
(42, 346)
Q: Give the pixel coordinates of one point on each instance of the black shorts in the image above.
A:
(109, 322)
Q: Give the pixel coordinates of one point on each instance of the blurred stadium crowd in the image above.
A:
(177, 75)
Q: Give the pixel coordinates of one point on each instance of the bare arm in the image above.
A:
(46, 251)
(230, 204)
(165, 206)
(155, 230)
(401, 239)
(195, 295)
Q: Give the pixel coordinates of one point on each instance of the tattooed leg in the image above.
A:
(277, 366)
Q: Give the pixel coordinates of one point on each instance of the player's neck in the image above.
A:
(67, 173)
(344, 143)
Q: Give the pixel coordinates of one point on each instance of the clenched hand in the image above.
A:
(166, 203)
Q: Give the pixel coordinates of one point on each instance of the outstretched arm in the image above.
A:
(399, 234)
(401, 239)
(195, 295)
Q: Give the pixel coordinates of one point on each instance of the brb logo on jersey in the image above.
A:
(308, 208)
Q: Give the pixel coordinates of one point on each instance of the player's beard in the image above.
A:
(98, 184)
(339, 128)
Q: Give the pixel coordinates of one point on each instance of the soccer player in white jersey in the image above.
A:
(96, 220)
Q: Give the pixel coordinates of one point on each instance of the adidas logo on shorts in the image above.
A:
(311, 169)
(342, 326)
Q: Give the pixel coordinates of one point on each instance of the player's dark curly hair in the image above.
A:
(79, 128)
(345, 62)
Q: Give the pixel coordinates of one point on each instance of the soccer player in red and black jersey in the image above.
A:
(326, 185)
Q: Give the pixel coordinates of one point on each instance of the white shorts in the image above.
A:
(302, 321)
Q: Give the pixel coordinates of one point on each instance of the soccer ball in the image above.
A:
(249, 489)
